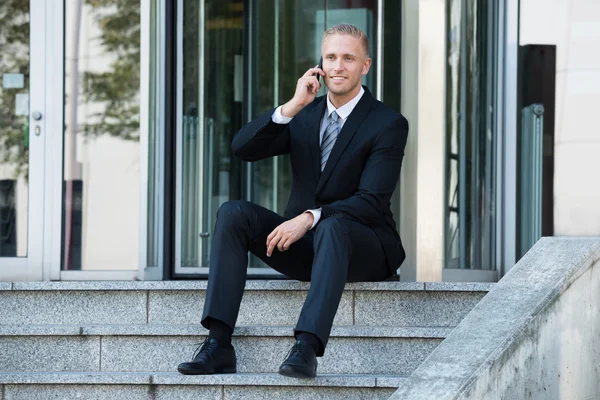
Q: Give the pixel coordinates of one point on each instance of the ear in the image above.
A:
(366, 66)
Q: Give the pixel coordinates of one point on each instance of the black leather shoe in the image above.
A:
(301, 362)
(209, 358)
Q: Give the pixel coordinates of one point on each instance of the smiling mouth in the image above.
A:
(338, 78)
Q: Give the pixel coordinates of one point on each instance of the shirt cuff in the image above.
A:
(278, 118)
(317, 216)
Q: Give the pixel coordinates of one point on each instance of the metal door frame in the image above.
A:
(55, 41)
(41, 63)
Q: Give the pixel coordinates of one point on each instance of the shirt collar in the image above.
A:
(344, 111)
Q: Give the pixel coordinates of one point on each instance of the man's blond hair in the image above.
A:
(348, 29)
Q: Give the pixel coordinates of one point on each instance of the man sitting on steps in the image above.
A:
(346, 151)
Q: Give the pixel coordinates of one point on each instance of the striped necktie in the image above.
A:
(329, 138)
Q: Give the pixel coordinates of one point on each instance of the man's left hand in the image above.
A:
(289, 232)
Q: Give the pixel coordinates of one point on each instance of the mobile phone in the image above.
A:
(318, 76)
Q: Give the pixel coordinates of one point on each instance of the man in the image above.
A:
(346, 151)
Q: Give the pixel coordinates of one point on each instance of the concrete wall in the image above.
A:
(558, 356)
(535, 335)
(574, 27)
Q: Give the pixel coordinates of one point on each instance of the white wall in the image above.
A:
(111, 201)
(574, 27)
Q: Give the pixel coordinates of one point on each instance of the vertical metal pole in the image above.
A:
(71, 130)
(203, 191)
(499, 129)
(379, 77)
(249, 102)
(462, 146)
(275, 193)
(209, 207)
(475, 210)
(179, 127)
(146, 227)
(510, 51)
(491, 138)
(537, 113)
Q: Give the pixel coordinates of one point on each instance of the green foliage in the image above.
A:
(117, 89)
(14, 58)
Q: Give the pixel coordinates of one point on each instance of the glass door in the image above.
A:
(210, 96)
(471, 140)
(100, 164)
(236, 60)
(24, 61)
(286, 41)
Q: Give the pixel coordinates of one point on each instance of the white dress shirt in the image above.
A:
(343, 112)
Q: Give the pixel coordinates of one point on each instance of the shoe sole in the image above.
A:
(292, 373)
(186, 371)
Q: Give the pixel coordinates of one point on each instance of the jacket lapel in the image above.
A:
(313, 127)
(348, 130)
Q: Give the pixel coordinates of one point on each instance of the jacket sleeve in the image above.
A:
(378, 179)
(261, 138)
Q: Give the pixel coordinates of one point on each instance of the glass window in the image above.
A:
(101, 138)
(470, 135)
(212, 109)
(14, 128)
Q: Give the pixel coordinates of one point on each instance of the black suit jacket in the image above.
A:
(361, 172)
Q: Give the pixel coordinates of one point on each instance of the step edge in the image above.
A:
(258, 285)
(172, 378)
(350, 331)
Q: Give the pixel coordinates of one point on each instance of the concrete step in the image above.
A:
(167, 386)
(160, 348)
(181, 302)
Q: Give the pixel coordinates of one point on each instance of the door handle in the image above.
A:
(37, 115)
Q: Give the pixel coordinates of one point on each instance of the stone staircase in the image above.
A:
(110, 340)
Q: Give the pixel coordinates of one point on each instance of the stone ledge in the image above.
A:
(472, 359)
(459, 286)
(60, 378)
(199, 330)
(276, 285)
(389, 381)
(172, 378)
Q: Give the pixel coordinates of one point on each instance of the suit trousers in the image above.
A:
(335, 252)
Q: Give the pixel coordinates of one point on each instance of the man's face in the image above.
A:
(344, 62)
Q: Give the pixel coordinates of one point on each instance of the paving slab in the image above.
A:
(73, 307)
(49, 353)
(361, 355)
(185, 307)
(70, 378)
(87, 392)
(426, 308)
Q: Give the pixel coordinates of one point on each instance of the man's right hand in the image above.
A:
(306, 90)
